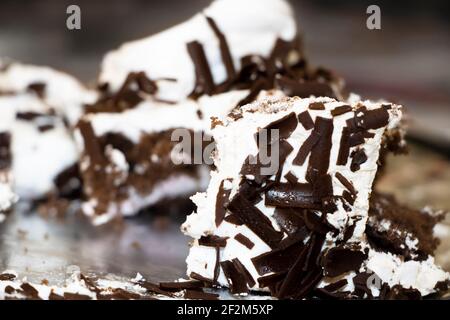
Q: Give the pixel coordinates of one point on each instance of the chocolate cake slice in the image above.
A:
(287, 208)
(38, 107)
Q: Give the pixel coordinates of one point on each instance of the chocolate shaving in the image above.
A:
(7, 277)
(341, 110)
(271, 279)
(339, 260)
(290, 221)
(316, 106)
(306, 148)
(344, 147)
(360, 283)
(255, 220)
(320, 154)
(244, 241)
(75, 296)
(54, 296)
(200, 295)
(216, 266)
(234, 219)
(332, 287)
(291, 178)
(204, 82)
(181, 285)
(347, 184)
(92, 147)
(154, 288)
(29, 291)
(373, 119)
(235, 279)
(285, 127)
(359, 157)
(213, 241)
(305, 119)
(5, 150)
(257, 87)
(242, 270)
(356, 139)
(225, 52)
(316, 223)
(206, 282)
(29, 115)
(119, 294)
(285, 195)
(279, 259)
(38, 88)
(221, 202)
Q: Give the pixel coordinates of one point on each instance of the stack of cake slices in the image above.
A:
(289, 207)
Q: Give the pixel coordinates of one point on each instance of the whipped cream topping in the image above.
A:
(250, 27)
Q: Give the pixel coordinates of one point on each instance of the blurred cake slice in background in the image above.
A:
(38, 107)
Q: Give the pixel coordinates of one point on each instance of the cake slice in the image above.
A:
(288, 214)
(182, 78)
(38, 108)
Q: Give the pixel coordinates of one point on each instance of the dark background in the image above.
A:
(407, 61)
